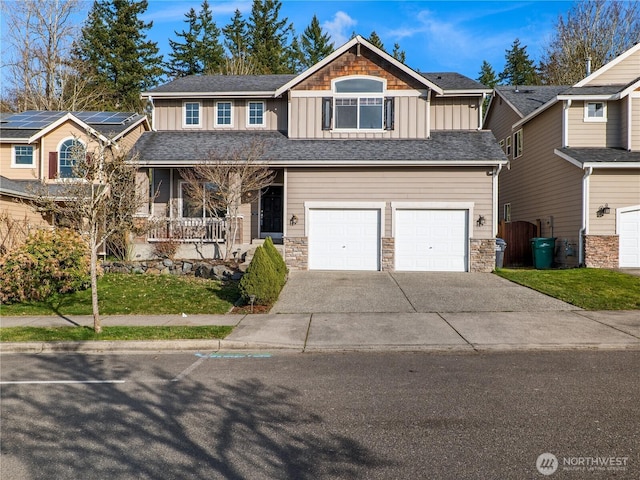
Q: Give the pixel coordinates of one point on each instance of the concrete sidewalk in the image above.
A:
(405, 331)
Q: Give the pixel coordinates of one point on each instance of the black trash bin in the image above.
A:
(543, 249)
(501, 246)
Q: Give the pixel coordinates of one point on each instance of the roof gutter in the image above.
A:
(339, 163)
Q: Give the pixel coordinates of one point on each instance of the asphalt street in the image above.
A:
(201, 415)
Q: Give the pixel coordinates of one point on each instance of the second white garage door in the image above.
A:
(431, 240)
(630, 238)
(344, 239)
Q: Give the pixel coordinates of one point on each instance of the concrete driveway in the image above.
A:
(408, 292)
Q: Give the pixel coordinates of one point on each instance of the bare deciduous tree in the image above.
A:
(37, 53)
(100, 199)
(223, 179)
(595, 30)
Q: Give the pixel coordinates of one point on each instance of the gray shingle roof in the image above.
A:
(596, 89)
(453, 81)
(452, 146)
(26, 188)
(223, 83)
(527, 99)
(14, 133)
(601, 155)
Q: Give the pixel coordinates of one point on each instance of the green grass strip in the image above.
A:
(588, 288)
(74, 334)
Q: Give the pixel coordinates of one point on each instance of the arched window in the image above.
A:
(359, 104)
(67, 153)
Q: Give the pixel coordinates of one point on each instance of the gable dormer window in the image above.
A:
(359, 104)
(192, 115)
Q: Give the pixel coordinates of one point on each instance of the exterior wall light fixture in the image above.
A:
(603, 210)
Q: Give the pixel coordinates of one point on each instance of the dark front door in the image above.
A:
(271, 211)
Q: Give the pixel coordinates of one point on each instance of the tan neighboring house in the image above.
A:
(36, 146)
(379, 167)
(574, 162)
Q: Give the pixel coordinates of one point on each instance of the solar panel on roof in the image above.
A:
(32, 119)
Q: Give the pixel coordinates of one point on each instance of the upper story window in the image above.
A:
(595, 111)
(255, 114)
(517, 144)
(359, 103)
(224, 114)
(69, 151)
(508, 145)
(192, 114)
(23, 156)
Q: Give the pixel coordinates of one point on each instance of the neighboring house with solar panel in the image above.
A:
(378, 166)
(36, 146)
(574, 162)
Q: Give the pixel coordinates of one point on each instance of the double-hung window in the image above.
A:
(517, 144)
(23, 156)
(255, 114)
(224, 114)
(192, 114)
(359, 104)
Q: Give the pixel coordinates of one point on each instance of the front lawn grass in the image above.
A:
(588, 288)
(127, 294)
(74, 334)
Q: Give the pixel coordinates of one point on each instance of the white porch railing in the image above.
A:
(187, 230)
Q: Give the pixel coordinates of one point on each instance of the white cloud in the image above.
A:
(340, 28)
(170, 11)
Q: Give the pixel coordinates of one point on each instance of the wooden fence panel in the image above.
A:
(517, 235)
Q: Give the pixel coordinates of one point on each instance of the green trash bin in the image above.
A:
(543, 249)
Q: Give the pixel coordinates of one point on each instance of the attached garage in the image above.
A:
(431, 240)
(344, 238)
(629, 237)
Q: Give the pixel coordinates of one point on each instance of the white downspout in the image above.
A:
(496, 173)
(585, 214)
(629, 123)
(428, 113)
(484, 96)
(565, 124)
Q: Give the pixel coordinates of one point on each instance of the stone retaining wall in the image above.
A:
(196, 268)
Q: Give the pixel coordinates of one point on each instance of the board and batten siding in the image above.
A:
(410, 119)
(408, 184)
(169, 114)
(455, 113)
(595, 134)
(615, 187)
(622, 73)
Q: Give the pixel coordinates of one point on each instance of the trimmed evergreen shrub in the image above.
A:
(276, 258)
(49, 262)
(261, 279)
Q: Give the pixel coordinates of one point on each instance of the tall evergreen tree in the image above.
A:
(315, 44)
(269, 37)
(236, 40)
(398, 54)
(487, 76)
(201, 51)
(114, 46)
(519, 69)
(375, 40)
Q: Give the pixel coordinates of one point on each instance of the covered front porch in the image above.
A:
(174, 216)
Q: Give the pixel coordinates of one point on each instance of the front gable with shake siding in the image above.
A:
(379, 167)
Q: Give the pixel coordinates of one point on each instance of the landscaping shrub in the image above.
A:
(278, 261)
(49, 262)
(261, 279)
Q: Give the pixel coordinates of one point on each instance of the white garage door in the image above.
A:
(431, 240)
(630, 239)
(342, 239)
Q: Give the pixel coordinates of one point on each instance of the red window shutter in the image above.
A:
(53, 164)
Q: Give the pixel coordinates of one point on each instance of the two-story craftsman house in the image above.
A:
(574, 162)
(379, 167)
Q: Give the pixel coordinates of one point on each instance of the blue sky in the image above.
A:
(436, 35)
